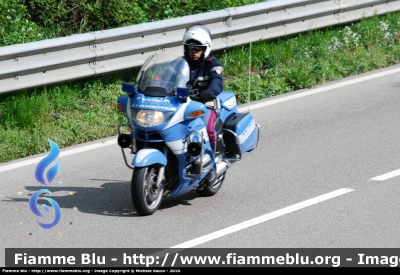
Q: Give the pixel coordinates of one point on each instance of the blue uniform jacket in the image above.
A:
(210, 72)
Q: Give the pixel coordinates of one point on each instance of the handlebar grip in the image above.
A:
(196, 96)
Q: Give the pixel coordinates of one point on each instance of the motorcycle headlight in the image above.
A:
(149, 118)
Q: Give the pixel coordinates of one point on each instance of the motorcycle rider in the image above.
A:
(205, 75)
(197, 42)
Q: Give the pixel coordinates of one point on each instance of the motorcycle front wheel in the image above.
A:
(146, 197)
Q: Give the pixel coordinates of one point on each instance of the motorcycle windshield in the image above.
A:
(161, 74)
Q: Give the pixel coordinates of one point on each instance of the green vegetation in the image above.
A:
(308, 59)
(24, 21)
(81, 111)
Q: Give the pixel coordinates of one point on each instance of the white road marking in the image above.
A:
(242, 109)
(264, 218)
(387, 175)
(318, 90)
(62, 154)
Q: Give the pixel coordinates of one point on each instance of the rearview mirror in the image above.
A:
(182, 92)
(128, 88)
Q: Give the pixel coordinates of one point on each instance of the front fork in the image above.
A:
(162, 169)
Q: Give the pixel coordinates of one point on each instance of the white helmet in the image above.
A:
(197, 35)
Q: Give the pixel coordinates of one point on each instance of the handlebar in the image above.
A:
(195, 95)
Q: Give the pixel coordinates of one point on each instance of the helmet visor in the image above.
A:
(196, 48)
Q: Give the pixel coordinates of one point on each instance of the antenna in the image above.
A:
(248, 100)
(156, 47)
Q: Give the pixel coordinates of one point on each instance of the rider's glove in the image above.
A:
(206, 96)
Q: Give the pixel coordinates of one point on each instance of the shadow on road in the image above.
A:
(113, 198)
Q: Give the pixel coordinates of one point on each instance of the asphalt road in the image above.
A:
(326, 175)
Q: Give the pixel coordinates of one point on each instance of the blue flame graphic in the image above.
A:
(51, 174)
(35, 210)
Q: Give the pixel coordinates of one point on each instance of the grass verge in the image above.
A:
(81, 111)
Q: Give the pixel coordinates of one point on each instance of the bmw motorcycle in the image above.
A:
(170, 151)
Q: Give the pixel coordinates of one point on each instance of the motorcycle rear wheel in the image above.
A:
(212, 188)
(146, 197)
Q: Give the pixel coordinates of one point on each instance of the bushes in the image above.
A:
(81, 16)
(15, 24)
(44, 19)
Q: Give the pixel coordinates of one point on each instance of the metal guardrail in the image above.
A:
(51, 61)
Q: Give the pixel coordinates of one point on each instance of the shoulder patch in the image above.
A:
(209, 59)
(218, 69)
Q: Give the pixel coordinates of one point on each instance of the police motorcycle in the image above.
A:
(170, 149)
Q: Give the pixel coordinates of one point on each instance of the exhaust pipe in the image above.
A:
(222, 166)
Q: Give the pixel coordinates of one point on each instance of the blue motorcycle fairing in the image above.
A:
(189, 183)
(194, 106)
(175, 136)
(123, 100)
(183, 112)
(168, 103)
(228, 100)
(174, 133)
(142, 102)
(228, 105)
(148, 156)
